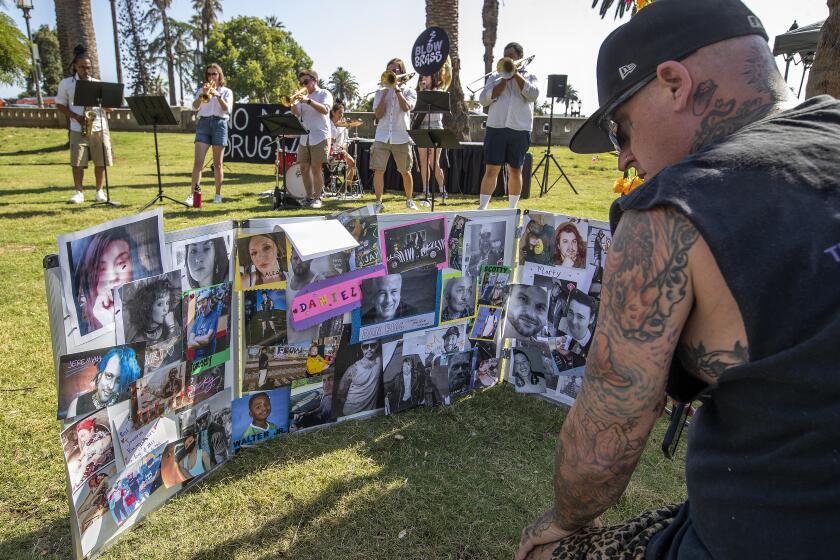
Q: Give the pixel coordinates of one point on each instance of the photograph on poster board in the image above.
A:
(527, 312)
(210, 422)
(92, 380)
(134, 486)
(536, 243)
(265, 317)
(555, 240)
(164, 353)
(429, 343)
(564, 358)
(600, 240)
(88, 446)
(484, 244)
(492, 285)
(487, 368)
(458, 299)
(568, 389)
(260, 261)
(577, 321)
(204, 261)
(455, 242)
(451, 375)
(397, 303)
(207, 326)
(486, 323)
(182, 460)
(358, 379)
(96, 260)
(311, 405)
(90, 505)
(532, 367)
(403, 378)
(135, 441)
(364, 227)
(205, 384)
(415, 244)
(569, 248)
(149, 310)
(259, 416)
(159, 393)
(559, 291)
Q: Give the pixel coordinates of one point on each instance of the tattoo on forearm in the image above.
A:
(712, 363)
(721, 122)
(542, 523)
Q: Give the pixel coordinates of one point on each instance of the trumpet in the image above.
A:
(390, 79)
(206, 96)
(506, 68)
(289, 100)
(90, 116)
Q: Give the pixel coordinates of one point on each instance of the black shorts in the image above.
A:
(506, 146)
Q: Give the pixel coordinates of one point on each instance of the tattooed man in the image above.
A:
(691, 98)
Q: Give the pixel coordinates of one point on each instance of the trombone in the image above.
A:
(506, 68)
(289, 100)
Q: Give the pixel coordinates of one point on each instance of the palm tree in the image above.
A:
(155, 15)
(490, 20)
(444, 14)
(343, 85)
(825, 73)
(74, 26)
(182, 47)
(117, 55)
(571, 95)
(208, 13)
(274, 22)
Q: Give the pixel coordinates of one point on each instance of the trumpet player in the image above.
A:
(391, 106)
(312, 106)
(88, 129)
(510, 97)
(213, 102)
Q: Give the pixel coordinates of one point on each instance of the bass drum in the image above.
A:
(294, 182)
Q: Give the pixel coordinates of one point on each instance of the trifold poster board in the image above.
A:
(176, 350)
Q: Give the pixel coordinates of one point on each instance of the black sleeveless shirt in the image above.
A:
(763, 460)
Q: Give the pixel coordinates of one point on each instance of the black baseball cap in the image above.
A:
(664, 30)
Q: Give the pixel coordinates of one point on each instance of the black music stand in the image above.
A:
(282, 126)
(433, 102)
(153, 110)
(107, 95)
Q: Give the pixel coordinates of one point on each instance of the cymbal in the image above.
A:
(349, 124)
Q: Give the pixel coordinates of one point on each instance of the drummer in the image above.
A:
(340, 140)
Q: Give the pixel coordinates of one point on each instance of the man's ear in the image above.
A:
(676, 79)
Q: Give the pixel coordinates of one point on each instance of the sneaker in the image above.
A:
(100, 196)
(317, 203)
(78, 198)
(425, 202)
(188, 201)
(410, 204)
(305, 202)
(444, 195)
(378, 207)
(217, 199)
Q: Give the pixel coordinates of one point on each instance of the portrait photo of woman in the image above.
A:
(152, 311)
(569, 246)
(207, 262)
(262, 259)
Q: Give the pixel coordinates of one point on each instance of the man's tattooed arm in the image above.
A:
(645, 301)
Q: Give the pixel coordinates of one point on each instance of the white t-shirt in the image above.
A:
(338, 135)
(312, 120)
(513, 108)
(213, 108)
(393, 126)
(66, 91)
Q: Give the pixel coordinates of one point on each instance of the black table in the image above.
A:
(462, 169)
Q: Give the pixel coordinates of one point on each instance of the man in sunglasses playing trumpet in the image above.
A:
(391, 106)
(510, 93)
(312, 106)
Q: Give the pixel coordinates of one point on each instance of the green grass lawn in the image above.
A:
(460, 483)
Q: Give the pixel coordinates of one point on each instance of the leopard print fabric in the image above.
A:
(626, 541)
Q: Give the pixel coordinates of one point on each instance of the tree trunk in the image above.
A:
(117, 54)
(74, 26)
(444, 14)
(490, 20)
(170, 60)
(825, 74)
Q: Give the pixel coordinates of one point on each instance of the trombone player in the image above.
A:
(311, 105)
(393, 102)
(213, 102)
(509, 93)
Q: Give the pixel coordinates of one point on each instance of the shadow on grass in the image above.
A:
(50, 150)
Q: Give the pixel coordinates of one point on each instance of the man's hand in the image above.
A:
(542, 531)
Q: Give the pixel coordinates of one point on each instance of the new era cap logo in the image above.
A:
(755, 22)
(625, 70)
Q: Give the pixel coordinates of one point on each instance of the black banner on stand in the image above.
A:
(248, 140)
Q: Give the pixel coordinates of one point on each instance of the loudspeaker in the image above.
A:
(556, 85)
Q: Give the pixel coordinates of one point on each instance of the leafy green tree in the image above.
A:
(14, 52)
(50, 54)
(260, 62)
(343, 85)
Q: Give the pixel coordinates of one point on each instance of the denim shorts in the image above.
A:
(212, 130)
(505, 145)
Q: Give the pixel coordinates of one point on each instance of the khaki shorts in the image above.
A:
(403, 156)
(83, 149)
(315, 154)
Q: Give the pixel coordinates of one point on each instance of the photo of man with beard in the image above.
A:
(359, 388)
(527, 312)
(458, 301)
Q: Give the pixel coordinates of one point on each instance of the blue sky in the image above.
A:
(362, 35)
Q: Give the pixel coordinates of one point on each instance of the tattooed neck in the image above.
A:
(726, 117)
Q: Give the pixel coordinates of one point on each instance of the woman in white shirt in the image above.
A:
(212, 126)
(426, 157)
(340, 140)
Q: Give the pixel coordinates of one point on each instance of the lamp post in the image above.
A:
(26, 6)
